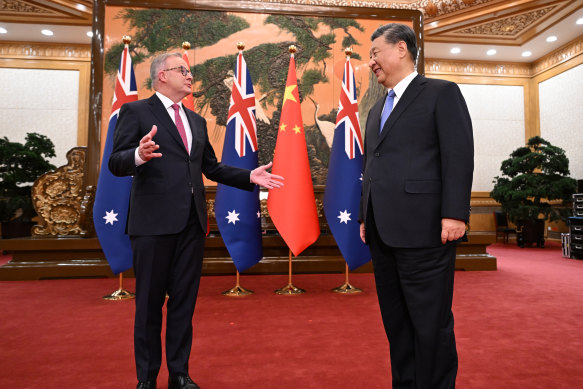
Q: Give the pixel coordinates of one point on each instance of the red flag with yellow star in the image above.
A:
(293, 206)
(188, 101)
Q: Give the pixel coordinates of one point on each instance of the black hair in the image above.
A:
(395, 32)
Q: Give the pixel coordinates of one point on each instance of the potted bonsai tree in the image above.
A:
(20, 165)
(535, 186)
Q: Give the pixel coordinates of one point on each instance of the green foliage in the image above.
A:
(310, 78)
(20, 165)
(160, 30)
(531, 177)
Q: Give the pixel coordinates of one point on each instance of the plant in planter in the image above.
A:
(534, 176)
(20, 165)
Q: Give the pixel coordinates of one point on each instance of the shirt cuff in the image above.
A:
(138, 161)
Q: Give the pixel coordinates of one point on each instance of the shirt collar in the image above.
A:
(403, 84)
(166, 101)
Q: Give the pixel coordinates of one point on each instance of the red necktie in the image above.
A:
(180, 125)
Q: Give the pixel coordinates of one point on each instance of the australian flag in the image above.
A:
(110, 210)
(344, 182)
(237, 211)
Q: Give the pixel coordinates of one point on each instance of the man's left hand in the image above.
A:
(452, 229)
(262, 177)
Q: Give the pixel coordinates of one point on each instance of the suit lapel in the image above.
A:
(164, 119)
(413, 89)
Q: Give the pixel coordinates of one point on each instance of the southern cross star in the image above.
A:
(233, 217)
(344, 216)
(110, 217)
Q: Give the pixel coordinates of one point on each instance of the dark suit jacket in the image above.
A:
(419, 169)
(162, 188)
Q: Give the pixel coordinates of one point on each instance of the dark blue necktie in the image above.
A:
(387, 109)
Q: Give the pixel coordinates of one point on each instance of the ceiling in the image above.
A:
(510, 27)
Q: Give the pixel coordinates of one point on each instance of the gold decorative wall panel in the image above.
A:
(49, 12)
(45, 51)
(481, 68)
(15, 7)
(439, 66)
(510, 26)
(557, 57)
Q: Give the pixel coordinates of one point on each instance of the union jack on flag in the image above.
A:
(237, 211)
(348, 113)
(344, 182)
(242, 109)
(110, 209)
(125, 84)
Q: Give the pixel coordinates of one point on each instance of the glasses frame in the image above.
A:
(185, 72)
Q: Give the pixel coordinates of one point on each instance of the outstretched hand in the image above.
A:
(148, 146)
(262, 177)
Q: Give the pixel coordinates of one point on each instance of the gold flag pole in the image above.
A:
(237, 290)
(121, 293)
(290, 289)
(346, 288)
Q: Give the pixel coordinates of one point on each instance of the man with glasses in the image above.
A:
(166, 148)
(417, 180)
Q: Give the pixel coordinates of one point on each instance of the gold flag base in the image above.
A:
(121, 293)
(237, 291)
(289, 289)
(347, 288)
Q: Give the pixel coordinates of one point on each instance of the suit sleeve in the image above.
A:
(225, 174)
(454, 128)
(364, 155)
(126, 138)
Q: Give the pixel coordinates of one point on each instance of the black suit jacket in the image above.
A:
(163, 187)
(419, 169)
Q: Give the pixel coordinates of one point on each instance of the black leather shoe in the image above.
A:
(180, 381)
(146, 385)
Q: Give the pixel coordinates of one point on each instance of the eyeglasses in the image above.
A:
(182, 69)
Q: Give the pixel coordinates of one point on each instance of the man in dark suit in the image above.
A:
(166, 148)
(417, 179)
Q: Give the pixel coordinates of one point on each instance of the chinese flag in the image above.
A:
(293, 206)
(188, 101)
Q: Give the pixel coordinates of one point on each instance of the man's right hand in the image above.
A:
(147, 148)
(362, 233)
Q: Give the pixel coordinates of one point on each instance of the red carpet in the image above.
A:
(519, 327)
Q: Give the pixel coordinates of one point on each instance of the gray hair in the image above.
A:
(396, 32)
(158, 64)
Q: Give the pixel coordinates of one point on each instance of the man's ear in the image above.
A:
(403, 51)
(162, 76)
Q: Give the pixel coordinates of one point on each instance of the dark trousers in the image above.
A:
(166, 264)
(415, 292)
